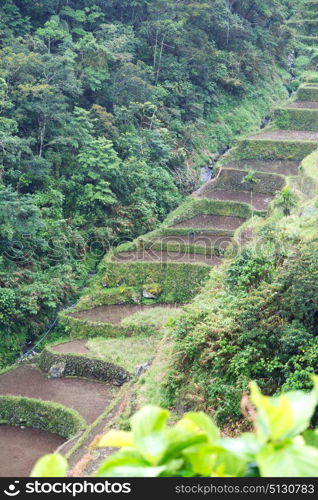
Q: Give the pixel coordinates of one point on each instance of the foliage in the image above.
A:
(281, 445)
(249, 270)
(105, 107)
(261, 326)
(286, 199)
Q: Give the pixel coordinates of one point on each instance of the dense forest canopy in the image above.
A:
(101, 101)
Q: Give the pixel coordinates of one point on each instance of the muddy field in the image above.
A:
(211, 222)
(108, 314)
(89, 398)
(260, 201)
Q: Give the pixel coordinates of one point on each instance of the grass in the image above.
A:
(149, 390)
(154, 318)
(126, 352)
(133, 351)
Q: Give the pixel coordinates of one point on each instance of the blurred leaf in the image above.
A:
(128, 463)
(53, 465)
(116, 439)
(288, 461)
(147, 428)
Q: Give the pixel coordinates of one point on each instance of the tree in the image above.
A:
(92, 183)
(286, 199)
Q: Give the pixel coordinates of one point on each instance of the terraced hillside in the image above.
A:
(155, 274)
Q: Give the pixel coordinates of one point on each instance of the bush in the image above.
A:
(262, 326)
(43, 415)
(248, 270)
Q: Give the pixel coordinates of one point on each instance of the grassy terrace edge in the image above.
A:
(42, 415)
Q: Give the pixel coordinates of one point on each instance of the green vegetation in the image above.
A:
(113, 110)
(108, 108)
(281, 446)
(127, 352)
(265, 149)
(152, 318)
(286, 199)
(297, 119)
(43, 415)
(260, 325)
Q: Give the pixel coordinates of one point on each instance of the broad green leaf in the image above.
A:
(52, 465)
(208, 460)
(148, 427)
(288, 461)
(178, 440)
(311, 438)
(227, 464)
(285, 416)
(128, 463)
(124, 470)
(303, 407)
(274, 415)
(245, 446)
(202, 459)
(149, 419)
(116, 439)
(198, 423)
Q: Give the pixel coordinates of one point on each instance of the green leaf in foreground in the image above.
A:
(128, 463)
(288, 461)
(53, 465)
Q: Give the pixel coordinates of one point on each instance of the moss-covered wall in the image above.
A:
(308, 92)
(78, 365)
(179, 282)
(307, 27)
(217, 248)
(297, 119)
(42, 415)
(308, 180)
(263, 149)
(232, 179)
(195, 206)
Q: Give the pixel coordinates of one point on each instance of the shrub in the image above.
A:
(43, 415)
(262, 326)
